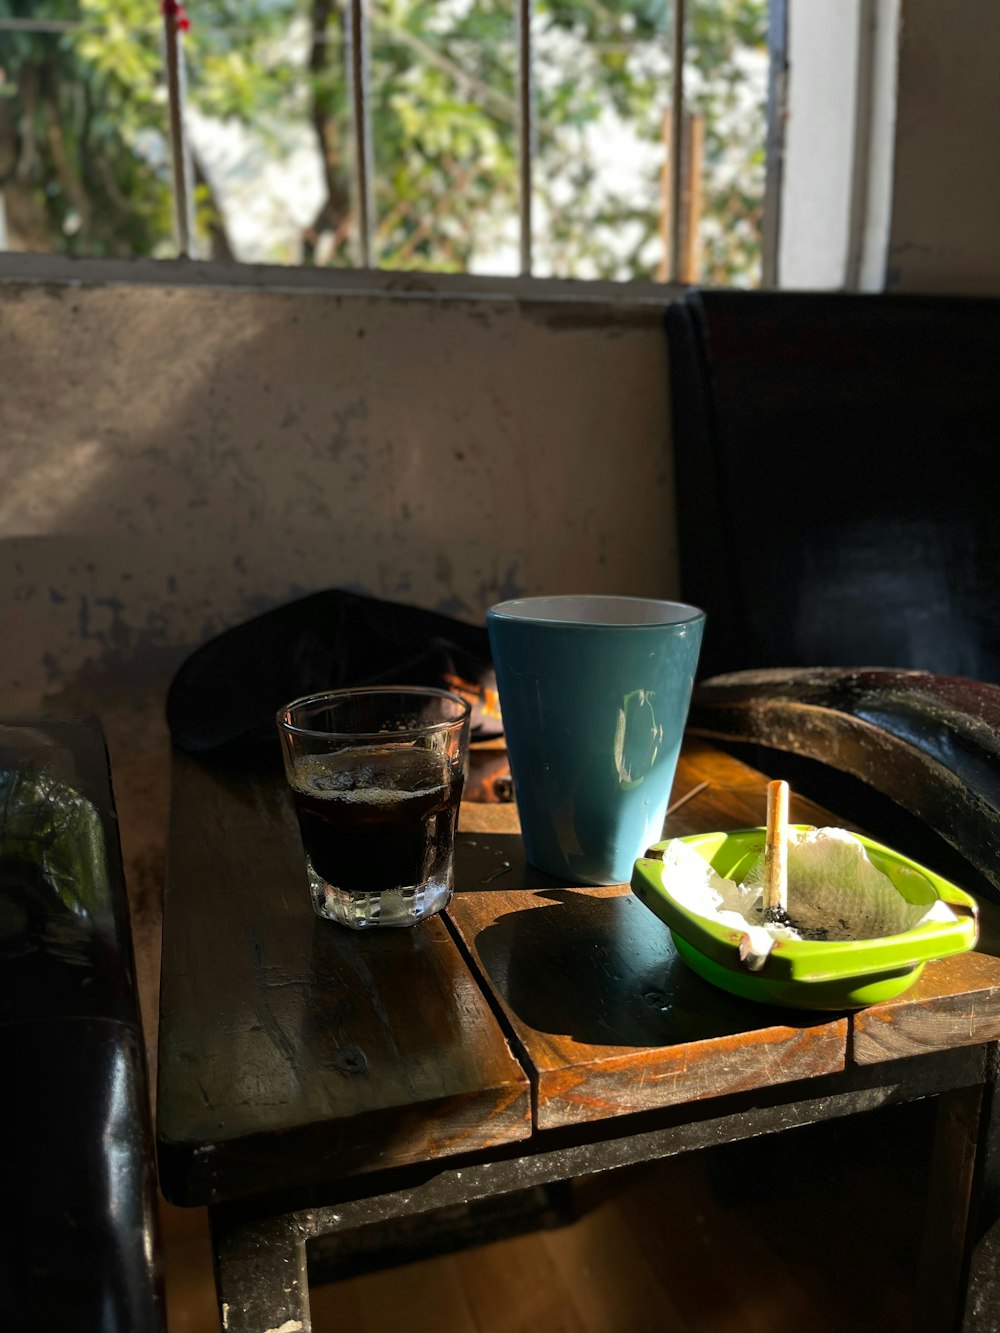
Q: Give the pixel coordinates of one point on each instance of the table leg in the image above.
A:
(944, 1248)
(982, 1298)
(260, 1276)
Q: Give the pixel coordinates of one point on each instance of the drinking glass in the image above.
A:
(376, 777)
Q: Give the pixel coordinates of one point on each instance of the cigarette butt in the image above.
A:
(776, 847)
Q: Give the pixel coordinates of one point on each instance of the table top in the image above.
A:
(293, 1051)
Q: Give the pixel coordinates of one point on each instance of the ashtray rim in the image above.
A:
(809, 961)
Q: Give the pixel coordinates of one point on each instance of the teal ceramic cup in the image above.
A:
(594, 693)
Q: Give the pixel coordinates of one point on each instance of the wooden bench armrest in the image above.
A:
(930, 743)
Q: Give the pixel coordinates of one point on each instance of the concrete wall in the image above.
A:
(178, 453)
(175, 459)
(946, 181)
(891, 175)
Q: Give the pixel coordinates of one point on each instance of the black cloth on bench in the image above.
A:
(223, 700)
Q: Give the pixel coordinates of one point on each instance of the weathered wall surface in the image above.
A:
(891, 169)
(946, 184)
(174, 460)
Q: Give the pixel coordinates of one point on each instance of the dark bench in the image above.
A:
(78, 1247)
(837, 494)
(837, 482)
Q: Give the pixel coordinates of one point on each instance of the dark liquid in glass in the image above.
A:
(373, 820)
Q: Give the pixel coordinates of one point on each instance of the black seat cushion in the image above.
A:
(223, 700)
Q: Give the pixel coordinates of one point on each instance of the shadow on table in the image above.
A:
(595, 966)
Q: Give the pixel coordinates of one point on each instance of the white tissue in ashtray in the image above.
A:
(834, 892)
(693, 884)
(834, 887)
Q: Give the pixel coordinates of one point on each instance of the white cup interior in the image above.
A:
(597, 609)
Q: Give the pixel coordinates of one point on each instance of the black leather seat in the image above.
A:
(77, 1229)
(837, 479)
(837, 494)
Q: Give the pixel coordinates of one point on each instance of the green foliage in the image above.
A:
(77, 171)
(85, 165)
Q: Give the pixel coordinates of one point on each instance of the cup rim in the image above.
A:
(520, 609)
(423, 691)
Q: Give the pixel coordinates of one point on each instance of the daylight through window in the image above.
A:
(480, 136)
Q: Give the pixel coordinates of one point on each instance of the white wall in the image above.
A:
(819, 143)
(891, 175)
(174, 459)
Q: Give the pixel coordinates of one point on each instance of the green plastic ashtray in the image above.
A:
(807, 974)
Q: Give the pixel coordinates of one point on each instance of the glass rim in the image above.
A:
(519, 609)
(368, 691)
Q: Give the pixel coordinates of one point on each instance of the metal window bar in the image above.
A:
(677, 142)
(173, 36)
(777, 92)
(358, 72)
(364, 155)
(363, 151)
(525, 128)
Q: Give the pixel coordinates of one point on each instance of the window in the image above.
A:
(546, 137)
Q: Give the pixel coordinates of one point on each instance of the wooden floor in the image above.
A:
(817, 1229)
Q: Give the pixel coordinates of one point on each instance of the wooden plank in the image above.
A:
(605, 1015)
(734, 797)
(516, 1285)
(700, 761)
(675, 1216)
(608, 1018)
(492, 818)
(293, 1050)
(719, 783)
(430, 1293)
(956, 1002)
(608, 1280)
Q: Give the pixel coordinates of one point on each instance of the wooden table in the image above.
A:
(313, 1080)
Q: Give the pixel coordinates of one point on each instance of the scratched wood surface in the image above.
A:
(292, 1050)
(606, 1017)
(955, 1002)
